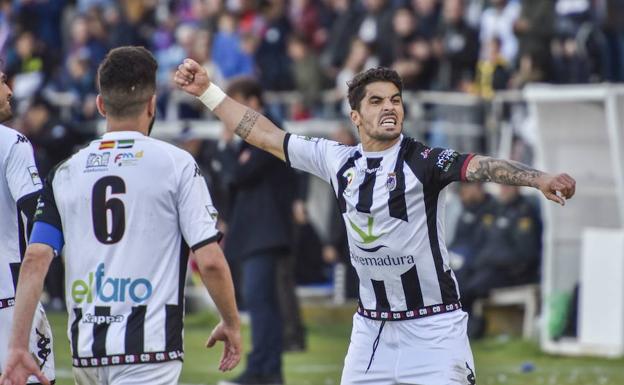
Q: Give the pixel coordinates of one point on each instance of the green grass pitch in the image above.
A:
(498, 361)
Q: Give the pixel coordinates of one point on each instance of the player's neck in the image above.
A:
(114, 125)
(375, 145)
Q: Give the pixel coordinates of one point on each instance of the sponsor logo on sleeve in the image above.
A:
(308, 138)
(197, 171)
(425, 153)
(212, 211)
(446, 159)
(34, 175)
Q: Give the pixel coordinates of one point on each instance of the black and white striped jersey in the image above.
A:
(128, 206)
(393, 204)
(19, 180)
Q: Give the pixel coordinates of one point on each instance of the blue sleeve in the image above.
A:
(48, 235)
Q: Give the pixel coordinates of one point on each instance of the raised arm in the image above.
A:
(243, 121)
(486, 169)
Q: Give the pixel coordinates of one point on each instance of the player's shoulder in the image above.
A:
(174, 152)
(10, 137)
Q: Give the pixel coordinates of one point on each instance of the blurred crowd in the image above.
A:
(53, 47)
(50, 50)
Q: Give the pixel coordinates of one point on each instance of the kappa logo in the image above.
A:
(425, 154)
(21, 139)
(471, 377)
(197, 171)
(102, 319)
(43, 348)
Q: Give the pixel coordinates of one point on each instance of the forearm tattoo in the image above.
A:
(501, 171)
(246, 124)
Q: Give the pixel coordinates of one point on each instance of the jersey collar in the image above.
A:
(122, 135)
(394, 148)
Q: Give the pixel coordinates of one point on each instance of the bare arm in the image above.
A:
(216, 276)
(509, 172)
(20, 363)
(243, 121)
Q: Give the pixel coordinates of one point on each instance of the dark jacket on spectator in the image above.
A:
(261, 216)
(513, 241)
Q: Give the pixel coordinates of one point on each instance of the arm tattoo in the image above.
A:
(501, 171)
(246, 123)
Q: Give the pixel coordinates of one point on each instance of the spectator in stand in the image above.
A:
(428, 14)
(347, 17)
(82, 42)
(477, 215)
(493, 72)
(308, 75)
(570, 65)
(511, 249)
(359, 59)
(304, 17)
(613, 28)
(120, 31)
(271, 56)
(535, 29)
(80, 82)
(497, 23)
(227, 52)
(457, 48)
(376, 29)
(404, 23)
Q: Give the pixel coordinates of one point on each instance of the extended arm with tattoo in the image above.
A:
(509, 172)
(245, 122)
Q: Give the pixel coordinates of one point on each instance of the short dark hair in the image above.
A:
(245, 86)
(127, 80)
(357, 86)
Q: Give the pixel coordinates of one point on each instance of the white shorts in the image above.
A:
(40, 341)
(427, 351)
(164, 373)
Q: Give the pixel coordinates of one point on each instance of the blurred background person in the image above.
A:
(263, 202)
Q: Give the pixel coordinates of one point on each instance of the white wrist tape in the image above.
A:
(212, 97)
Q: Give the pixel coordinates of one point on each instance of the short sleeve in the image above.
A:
(307, 154)
(48, 228)
(21, 172)
(437, 167)
(197, 214)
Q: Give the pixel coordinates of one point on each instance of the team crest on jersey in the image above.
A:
(391, 182)
(97, 162)
(34, 175)
(350, 176)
